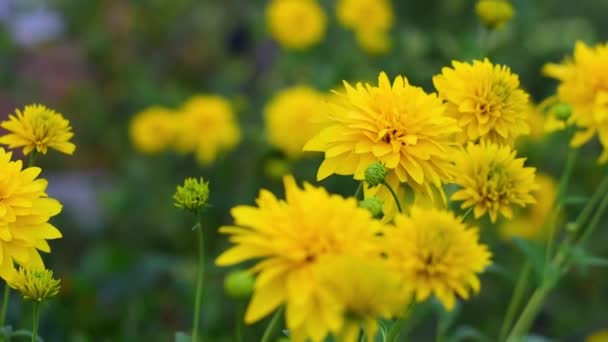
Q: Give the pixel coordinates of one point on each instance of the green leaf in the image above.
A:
(574, 200)
(534, 252)
(467, 333)
(584, 260)
(181, 336)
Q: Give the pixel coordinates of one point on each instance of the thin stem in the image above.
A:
(595, 220)
(35, 326)
(530, 311)
(516, 298)
(239, 323)
(390, 188)
(32, 159)
(359, 188)
(273, 326)
(397, 326)
(5, 300)
(588, 210)
(466, 214)
(199, 280)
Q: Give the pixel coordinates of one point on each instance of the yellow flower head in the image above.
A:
(290, 239)
(584, 86)
(435, 253)
(38, 128)
(35, 284)
(368, 15)
(492, 180)
(24, 213)
(207, 127)
(494, 13)
(292, 118)
(296, 24)
(364, 289)
(485, 99)
(373, 42)
(398, 125)
(531, 224)
(153, 130)
(598, 336)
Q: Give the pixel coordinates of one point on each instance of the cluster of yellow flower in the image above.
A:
(301, 24)
(204, 125)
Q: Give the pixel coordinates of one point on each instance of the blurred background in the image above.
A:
(128, 256)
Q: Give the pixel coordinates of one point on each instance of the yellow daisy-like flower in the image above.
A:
(25, 210)
(398, 125)
(207, 127)
(38, 128)
(584, 86)
(370, 15)
(296, 24)
(598, 336)
(530, 225)
(494, 13)
(35, 284)
(485, 99)
(492, 180)
(153, 130)
(292, 118)
(373, 42)
(290, 239)
(435, 253)
(364, 289)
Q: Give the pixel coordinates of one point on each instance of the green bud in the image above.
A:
(571, 227)
(562, 111)
(239, 284)
(374, 205)
(192, 195)
(375, 174)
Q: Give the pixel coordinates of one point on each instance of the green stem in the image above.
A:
(32, 159)
(199, 280)
(5, 300)
(516, 298)
(35, 327)
(239, 323)
(273, 326)
(390, 188)
(397, 326)
(359, 188)
(530, 311)
(602, 190)
(595, 220)
(466, 214)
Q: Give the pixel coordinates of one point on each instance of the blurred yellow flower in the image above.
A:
(485, 99)
(35, 284)
(494, 13)
(24, 213)
(531, 224)
(598, 336)
(396, 124)
(364, 290)
(584, 86)
(207, 126)
(492, 179)
(153, 130)
(292, 117)
(371, 15)
(290, 239)
(38, 128)
(373, 42)
(296, 24)
(435, 253)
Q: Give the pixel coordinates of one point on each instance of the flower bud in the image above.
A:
(562, 111)
(375, 174)
(494, 13)
(192, 195)
(35, 284)
(239, 284)
(374, 205)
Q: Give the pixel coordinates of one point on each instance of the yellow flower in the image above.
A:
(207, 127)
(598, 336)
(364, 289)
(492, 180)
(370, 15)
(35, 284)
(296, 24)
(494, 13)
(39, 128)
(24, 213)
(530, 225)
(485, 99)
(292, 118)
(398, 125)
(290, 240)
(584, 86)
(373, 42)
(435, 253)
(153, 130)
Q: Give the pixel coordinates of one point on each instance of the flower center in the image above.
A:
(498, 183)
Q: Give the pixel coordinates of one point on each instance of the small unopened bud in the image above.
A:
(239, 284)
(494, 13)
(375, 174)
(374, 205)
(35, 284)
(571, 227)
(562, 111)
(192, 195)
